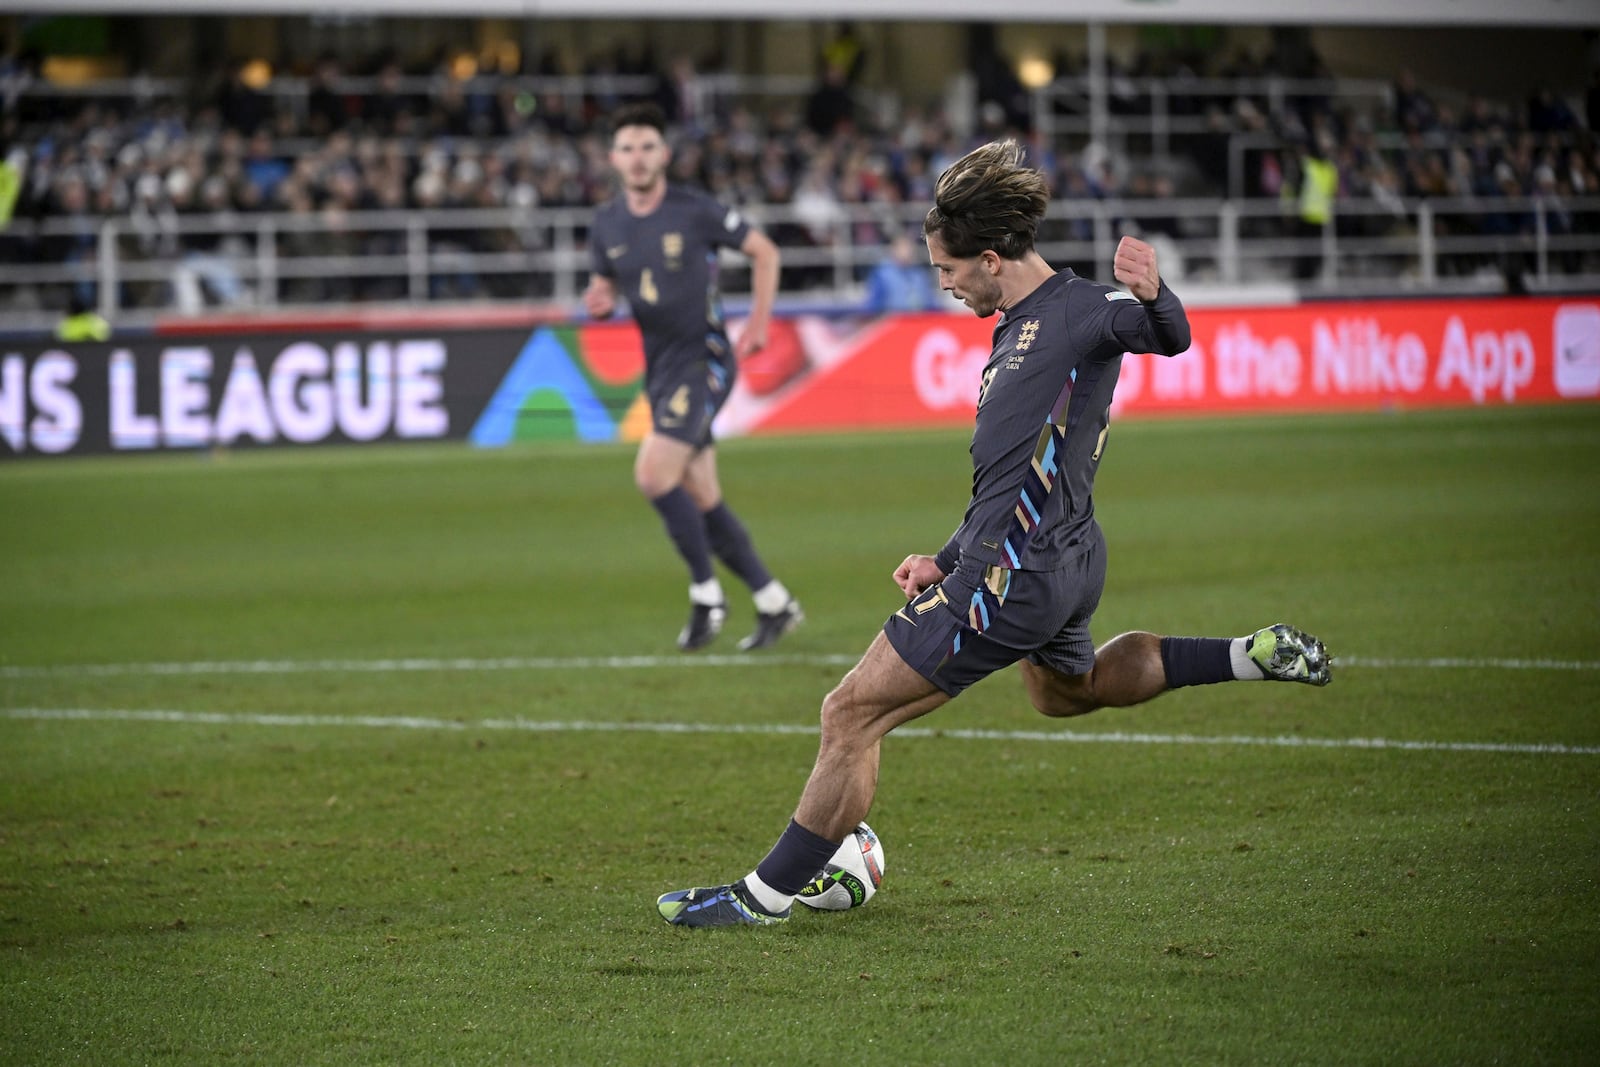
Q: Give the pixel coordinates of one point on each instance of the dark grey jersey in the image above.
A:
(1043, 411)
(664, 265)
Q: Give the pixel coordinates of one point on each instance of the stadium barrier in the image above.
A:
(496, 260)
(244, 385)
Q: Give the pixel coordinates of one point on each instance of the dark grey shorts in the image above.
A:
(982, 619)
(683, 406)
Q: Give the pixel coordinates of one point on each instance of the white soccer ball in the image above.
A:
(851, 876)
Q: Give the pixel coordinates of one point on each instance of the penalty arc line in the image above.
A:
(207, 718)
(592, 663)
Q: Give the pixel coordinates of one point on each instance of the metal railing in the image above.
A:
(138, 273)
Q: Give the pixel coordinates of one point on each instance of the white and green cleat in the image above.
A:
(1286, 654)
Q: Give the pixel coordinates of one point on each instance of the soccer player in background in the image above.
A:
(656, 245)
(1022, 575)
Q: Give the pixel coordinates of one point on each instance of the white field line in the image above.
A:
(400, 666)
(586, 663)
(1118, 737)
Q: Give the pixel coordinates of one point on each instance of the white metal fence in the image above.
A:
(199, 263)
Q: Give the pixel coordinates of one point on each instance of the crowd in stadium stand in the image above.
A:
(489, 143)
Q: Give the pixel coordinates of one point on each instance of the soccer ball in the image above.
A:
(851, 876)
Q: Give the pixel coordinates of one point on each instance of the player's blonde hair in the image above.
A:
(988, 199)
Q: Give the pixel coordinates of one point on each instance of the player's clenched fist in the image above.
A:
(1135, 267)
(600, 298)
(916, 574)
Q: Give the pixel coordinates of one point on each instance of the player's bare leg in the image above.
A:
(1134, 667)
(700, 480)
(878, 694)
(661, 464)
(1127, 670)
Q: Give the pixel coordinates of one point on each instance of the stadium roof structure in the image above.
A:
(1524, 13)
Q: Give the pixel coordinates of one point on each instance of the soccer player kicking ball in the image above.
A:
(657, 245)
(1021, 577)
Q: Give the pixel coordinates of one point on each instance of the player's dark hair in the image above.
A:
(642, 114)
(988, 199)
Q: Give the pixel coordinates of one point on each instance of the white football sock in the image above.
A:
(1245, 669)
(771, 598)
(708, 592)
(763, 894)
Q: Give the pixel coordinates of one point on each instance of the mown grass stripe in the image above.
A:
(580, 663)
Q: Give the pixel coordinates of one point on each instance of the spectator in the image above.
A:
(390, 109)
(847, 52)
(997, 82)
(326, 110)
(206, 273)
(75, 237)
(82, 323)
(899, 282)
(154, 226)
(263, 168)
(685, 98)
(1413, 108)
(12, 168)
(1314, 187)
(242, 104)
(831, 108)
(1547, 111)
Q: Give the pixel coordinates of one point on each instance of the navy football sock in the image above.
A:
(688, 531)
(797, 858)
(1196, 660)
(731, 542)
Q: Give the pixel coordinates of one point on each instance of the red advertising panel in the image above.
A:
(924, 370)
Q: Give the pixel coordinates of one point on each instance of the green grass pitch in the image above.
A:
(381, 756)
